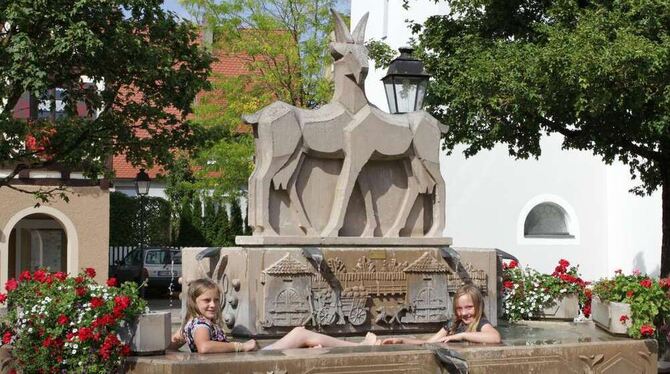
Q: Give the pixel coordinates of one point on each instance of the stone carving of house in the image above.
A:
(427, 290)
(287, 287)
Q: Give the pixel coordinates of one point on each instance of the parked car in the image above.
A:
(161, 266)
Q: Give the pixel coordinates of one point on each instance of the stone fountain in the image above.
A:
(347, 206)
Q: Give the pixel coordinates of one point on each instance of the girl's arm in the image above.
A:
(433, 339)
(205, 345)
(488, 335)
(176, 341)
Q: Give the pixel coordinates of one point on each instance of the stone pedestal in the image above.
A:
(268, 290)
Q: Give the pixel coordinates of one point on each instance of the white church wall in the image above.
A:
(489, 194)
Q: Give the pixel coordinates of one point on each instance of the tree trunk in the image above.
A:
(665, 246)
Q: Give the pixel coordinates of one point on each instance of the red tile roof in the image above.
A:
(227, 65)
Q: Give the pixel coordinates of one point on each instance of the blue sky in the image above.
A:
(173, 5)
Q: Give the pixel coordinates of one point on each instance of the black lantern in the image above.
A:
(405, 83)
(142, 183)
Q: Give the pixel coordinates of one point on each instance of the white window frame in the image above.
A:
(571, 221)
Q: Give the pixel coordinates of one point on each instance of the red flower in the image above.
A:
(11, 284)
(588, 293)
(508, 284)
(647, 330)
(40, 275)
(559, 270)
(80, 291)
(7, 338)
(125, 350)
(78, 279)
(112, 282)
(629, 294)
(90, 272)
(97, 302)
(62, 320)
(623, 319)
(105, 320)
(3, 298)
(60, 276)
(646, 283)
(47, 342)
(122, 302)
(512, 264)
(25, 275)
(664, 283)
(564, 263)
(586, 310)
(85, 333)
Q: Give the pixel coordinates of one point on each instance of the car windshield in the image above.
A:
(176, 257)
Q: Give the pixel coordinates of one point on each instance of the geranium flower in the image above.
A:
(508, 284)
(11, 284)
(60, 276)
(79, 280)
(3, 298)
(623, 319)
(25, 275)
(636, 272)
(586, 310)
(647, 330)
(646, 283)
(97, 302)
(90, 272)
(122, 301)
(85, 333)
(512, 264)
(62, 320)
(6, 337)
(112, 282)
(80, 291)
(40, 275)
(629, 294)
(564, 263)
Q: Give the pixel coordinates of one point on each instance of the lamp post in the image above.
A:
(405, 83)
(142, 184)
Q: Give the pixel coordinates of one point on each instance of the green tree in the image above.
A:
(224, 237)
(236, 220)
(283, 49)
(596, 72)
(139, 59)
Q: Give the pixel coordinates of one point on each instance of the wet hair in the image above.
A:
(477, 301)
(195, 289)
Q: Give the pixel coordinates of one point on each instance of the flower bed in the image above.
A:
(649, 301)
(529, 294)
(57, 323)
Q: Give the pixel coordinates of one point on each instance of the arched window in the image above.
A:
(547, 220)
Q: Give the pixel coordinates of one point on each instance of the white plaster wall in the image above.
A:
(487, 192)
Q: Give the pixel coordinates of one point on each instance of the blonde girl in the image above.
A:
(470, 322)
(202, 330)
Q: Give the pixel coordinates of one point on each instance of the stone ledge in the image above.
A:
(340, 241)
(613, 356)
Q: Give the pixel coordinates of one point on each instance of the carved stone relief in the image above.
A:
(382, 291)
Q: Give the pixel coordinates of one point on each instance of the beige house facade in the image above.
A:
(59, 235)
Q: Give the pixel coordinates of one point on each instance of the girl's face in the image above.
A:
(465, 309)
(208, 304)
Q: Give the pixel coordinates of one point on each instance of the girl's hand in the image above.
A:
(452, 338)
(392, 341)
(249, 345)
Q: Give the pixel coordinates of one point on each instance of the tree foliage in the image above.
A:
(127, 61)
(281, 49)
(126, 220)
(595, 71)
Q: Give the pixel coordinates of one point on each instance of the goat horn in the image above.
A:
(359, 32)
(342, 34)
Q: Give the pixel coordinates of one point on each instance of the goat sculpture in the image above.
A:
(347, 128)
